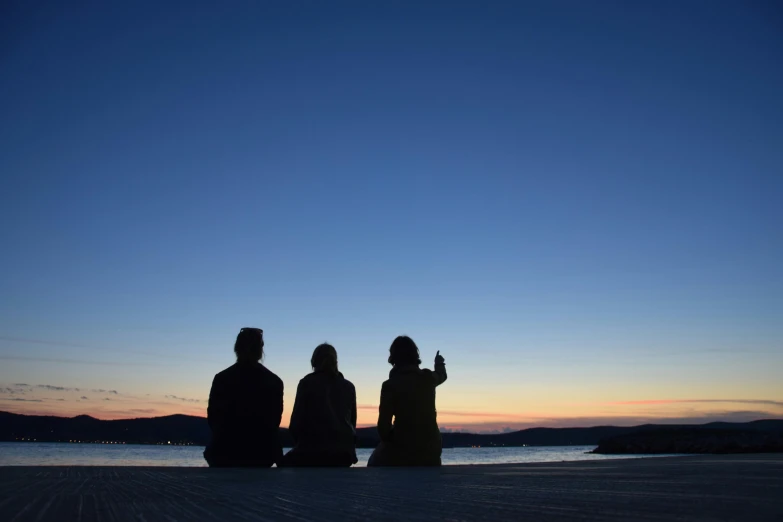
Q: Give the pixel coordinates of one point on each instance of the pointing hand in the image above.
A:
(439, 359)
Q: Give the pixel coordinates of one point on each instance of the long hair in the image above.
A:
(324, 358)
(403, 351)
(249, 345)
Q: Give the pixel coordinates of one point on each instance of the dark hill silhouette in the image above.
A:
(588, 436)
(180, 429)
(185, 429)
(693, 439)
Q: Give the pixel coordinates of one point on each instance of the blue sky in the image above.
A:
(576, 202)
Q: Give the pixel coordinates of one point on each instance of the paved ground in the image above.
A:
(739, 487)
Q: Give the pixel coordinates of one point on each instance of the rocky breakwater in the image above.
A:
(687, 440)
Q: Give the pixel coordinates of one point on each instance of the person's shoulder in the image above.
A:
(348, 384)
(227, 373)
(428, 376)
(269, 374)
(312, 376)
(307, 379)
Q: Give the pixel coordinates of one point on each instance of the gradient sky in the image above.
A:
(577, 203)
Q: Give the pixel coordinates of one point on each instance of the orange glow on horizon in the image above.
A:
(454, 411)
(623, 413)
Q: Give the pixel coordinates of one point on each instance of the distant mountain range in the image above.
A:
(695, 440)
(185, 429)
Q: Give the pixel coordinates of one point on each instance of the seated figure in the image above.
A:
(408, 397)
(323, 422)
(245, 409)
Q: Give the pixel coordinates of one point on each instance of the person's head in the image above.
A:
(324, 358)
(404, 351)
(250, 345)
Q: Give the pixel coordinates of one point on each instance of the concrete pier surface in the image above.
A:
(716, 487)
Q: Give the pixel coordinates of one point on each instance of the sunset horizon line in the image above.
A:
(489, 427)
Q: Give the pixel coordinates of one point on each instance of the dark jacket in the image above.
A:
(324, 416)
(244, 413)
(409, 397)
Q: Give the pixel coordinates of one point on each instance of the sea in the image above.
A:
(76, 454)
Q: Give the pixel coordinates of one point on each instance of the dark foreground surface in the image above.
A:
(736, 487)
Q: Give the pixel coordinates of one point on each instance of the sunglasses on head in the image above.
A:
(255, 330)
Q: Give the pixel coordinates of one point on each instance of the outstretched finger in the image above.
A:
(437, 354)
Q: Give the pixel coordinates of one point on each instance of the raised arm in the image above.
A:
(440, 370)
(385, 412)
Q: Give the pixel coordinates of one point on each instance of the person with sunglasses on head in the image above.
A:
(245, 409)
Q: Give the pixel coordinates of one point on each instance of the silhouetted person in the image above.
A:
(245, 409)
(323, 423)
(409, 397)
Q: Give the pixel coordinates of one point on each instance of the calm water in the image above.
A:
(59, 454)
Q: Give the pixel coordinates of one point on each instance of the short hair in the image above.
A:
(324, 358)
(403, 351)
(249, 345)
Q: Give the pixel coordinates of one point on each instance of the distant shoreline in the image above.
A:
(141, 455)
(692, 440)
(187, 430)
